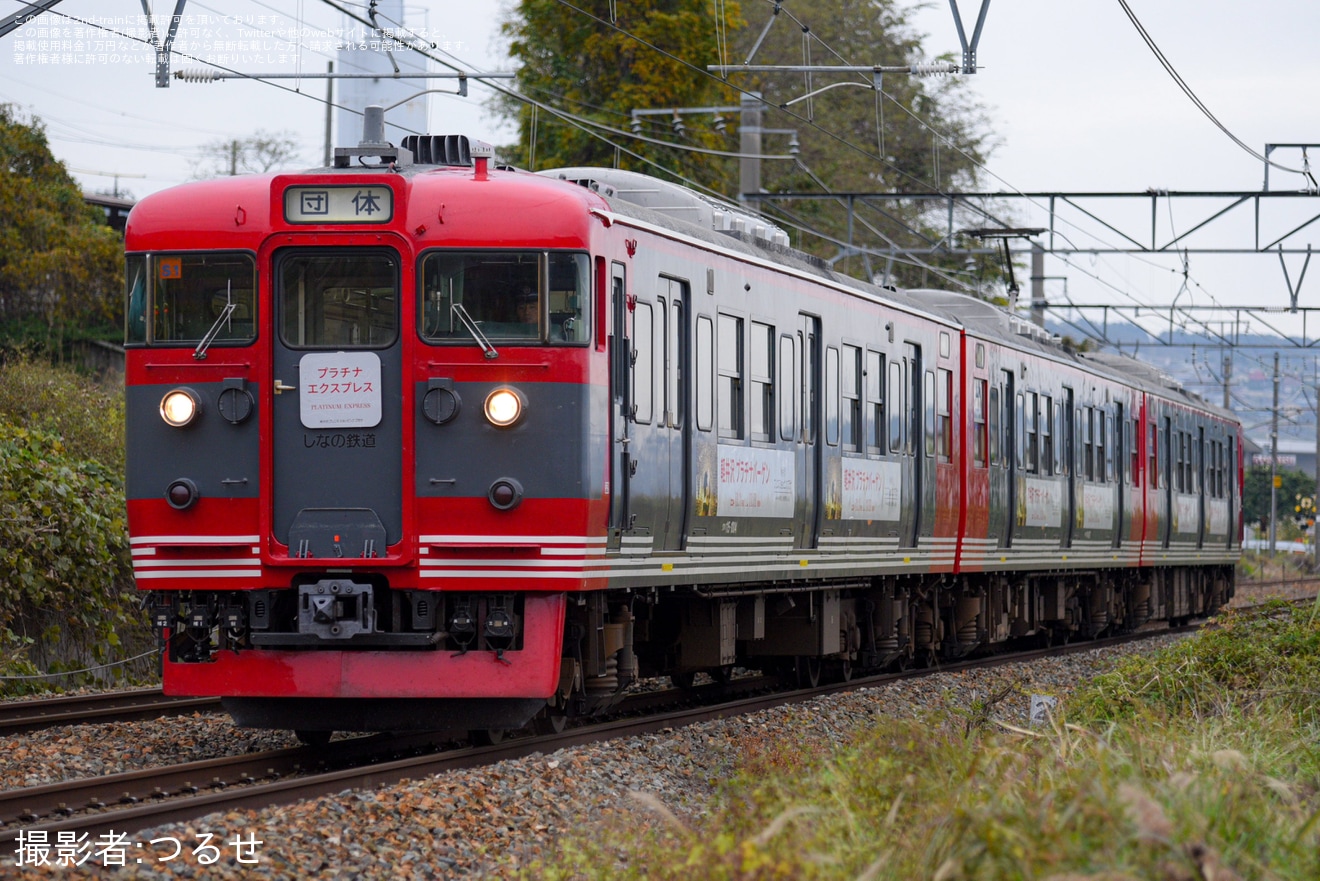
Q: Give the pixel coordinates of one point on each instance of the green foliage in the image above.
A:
(566, 59)
(1200, 761)
(1256, 493)
(87, 417)
(60, 267)
(65, 571)
(1268, 657)
(925, 135)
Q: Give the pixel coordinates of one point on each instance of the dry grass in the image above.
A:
(1199, 764)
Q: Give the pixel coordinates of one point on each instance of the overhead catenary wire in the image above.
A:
(1187, 90)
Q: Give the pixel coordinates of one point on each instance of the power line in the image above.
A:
(1187, 90)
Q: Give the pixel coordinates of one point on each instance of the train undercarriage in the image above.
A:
(612, 638)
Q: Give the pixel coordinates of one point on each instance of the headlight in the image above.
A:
(179, 407)
(504, 407)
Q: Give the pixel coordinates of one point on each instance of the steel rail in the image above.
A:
(116, 706)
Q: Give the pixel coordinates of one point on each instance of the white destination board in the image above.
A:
(872, 490)
(339, 390)
(1098, 510)
(1187, 513)
(339, 204)
(1218, 516)
(755, 483)
(1043, 501)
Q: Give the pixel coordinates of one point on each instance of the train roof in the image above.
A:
(733, 228)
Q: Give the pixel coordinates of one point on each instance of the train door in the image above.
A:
(1200, 472)
(807, 462)
(1008, 398)
(673, 453)
(1165, 447)
(620, 352)
(337, 416)
(1069, 467)
(1122, 437)
(1231, 492)
(916, 443)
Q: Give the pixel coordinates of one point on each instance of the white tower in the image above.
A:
(364, 52)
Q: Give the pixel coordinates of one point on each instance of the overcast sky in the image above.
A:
(1078, 101)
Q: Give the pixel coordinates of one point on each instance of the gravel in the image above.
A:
(488, 822)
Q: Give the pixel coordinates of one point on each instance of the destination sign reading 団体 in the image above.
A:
(339, 204)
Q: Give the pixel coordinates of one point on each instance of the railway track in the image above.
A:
(149, 703)
(116, 706)
(129, 802)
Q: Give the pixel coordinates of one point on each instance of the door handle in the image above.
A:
(280, 387)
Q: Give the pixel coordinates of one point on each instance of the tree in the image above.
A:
(257, 154)
(576, 62)
(1256, 494)
(926, 135)
(61, 268)
(931, 134)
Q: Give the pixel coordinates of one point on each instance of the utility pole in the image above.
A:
(329, 109)
(1038, 301)
(1274, 459)
(1228, 373)
(749, 145)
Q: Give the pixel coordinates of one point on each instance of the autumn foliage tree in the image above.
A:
(593, 62)
(599, 60)
(61, 267)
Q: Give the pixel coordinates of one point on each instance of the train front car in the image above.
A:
(360, 410)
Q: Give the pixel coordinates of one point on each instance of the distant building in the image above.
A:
(115, 209)
(1294, 455)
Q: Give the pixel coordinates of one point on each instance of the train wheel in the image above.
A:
(312, 738)
(486, 736)
(722, 675)
(550, 721)
(808, 671)
(685, 681)
(844, 670)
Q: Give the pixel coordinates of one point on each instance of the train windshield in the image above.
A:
(179, 299)
(525, 296)
(338, 299)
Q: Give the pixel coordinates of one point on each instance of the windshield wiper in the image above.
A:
(199, 353)
(477, 335)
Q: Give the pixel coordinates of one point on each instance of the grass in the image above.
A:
(1198, 762)
(86, 415)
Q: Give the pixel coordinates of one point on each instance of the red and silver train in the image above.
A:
(417, 442)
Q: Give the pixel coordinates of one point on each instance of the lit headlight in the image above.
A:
(504, 407)
(179, 407)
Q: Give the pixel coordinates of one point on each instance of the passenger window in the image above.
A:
(944, 414)
(850, 415)
(787, 397)
(761, 400)
(705, 373)
(831, 395)
(730, 376)
(897, 406)
(980, 447)
(643, 367)
(875, 402)
(929, 410)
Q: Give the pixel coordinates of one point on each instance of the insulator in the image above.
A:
(196, 75)
(933, 68)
